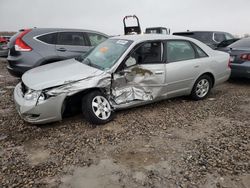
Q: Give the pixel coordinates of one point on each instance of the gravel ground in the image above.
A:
(173, 143)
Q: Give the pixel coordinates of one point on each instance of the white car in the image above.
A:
(121, 72)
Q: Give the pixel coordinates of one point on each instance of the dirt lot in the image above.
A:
(173, 143)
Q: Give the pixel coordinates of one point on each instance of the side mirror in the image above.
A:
(130, 62)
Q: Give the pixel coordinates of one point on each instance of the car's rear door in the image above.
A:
(182, 66)
(71, 44)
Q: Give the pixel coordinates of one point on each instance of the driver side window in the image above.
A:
(147, 53)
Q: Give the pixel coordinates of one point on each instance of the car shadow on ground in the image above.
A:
(240, 81)
(77, 117)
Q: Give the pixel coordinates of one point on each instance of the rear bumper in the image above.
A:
(240, 70)
(16, 71)
(222, 77)
(4, 53)
(22, 62)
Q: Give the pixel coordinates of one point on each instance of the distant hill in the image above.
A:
(7, 33)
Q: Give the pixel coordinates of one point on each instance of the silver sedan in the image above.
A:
(122, 72)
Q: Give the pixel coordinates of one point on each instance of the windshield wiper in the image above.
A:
(79, 58)
(88, 62)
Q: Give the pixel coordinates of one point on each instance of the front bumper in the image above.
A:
(35, 112)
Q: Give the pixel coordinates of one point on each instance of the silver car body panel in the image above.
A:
(140, 84)
(35, 112)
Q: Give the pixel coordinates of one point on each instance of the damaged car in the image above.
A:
(122, 72)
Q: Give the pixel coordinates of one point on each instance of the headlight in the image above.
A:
(32, 95)
(42, 97)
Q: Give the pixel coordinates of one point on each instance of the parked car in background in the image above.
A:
(159, 30)
(6, 38)
(122, 72)
(3, 39)
(239, 57)
(226, 43)
(3, 49)
(30, 48)
(210, 38)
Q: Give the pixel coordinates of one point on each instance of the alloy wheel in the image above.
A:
(202, 88)
(101, 107)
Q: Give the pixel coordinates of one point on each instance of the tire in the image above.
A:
(96, 108)
(201, 87)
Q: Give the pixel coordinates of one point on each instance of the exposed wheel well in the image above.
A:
(72, 104)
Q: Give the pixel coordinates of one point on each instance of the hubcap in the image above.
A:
(101, 107)
(202, 88)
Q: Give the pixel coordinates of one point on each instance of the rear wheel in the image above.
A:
(201, 87)
(96, 108)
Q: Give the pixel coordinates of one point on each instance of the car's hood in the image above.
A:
(58, 73)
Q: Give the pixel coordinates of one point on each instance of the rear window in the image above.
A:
(226, 43)
(96, 39)
(200, 52)
(153, 31)
(243, 43)
(164, 31)
(48, 38)
(71, 38)
(219, 37)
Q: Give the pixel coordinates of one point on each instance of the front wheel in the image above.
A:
(96, 108)
(201, 87)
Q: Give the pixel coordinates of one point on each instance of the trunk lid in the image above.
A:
(236, 54)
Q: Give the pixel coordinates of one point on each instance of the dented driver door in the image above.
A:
(141, 77)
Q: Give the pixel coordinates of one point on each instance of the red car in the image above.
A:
(3, 39)
(3, 46)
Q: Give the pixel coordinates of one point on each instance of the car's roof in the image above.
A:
(145, 37)
(45, 30)
(156, 28)
(201, 32)
(150, 37)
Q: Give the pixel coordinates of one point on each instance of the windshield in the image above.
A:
(153, 30)
(106, 54)
(243, 43)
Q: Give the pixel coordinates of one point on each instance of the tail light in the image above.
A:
(3, 40)
(245, 57)
(20, 45)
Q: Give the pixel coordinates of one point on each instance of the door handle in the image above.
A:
(159, 72)
(61, 49)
